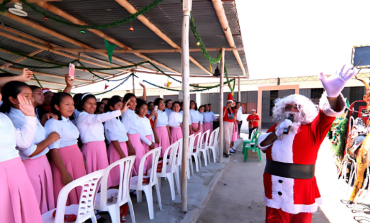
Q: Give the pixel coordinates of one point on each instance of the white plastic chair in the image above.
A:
(85, 209)
(168, 170)
(137, 181)
(213, 145)
(203, 147)
(190, 151)
(178, 162)
(113, 206)
(195, 153)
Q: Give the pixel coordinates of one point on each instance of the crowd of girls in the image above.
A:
(50, 139)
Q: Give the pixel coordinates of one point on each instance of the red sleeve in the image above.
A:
(248, 118)
(320, 126)
(258, 118)
(272, 128)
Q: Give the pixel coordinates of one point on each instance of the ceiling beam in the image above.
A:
(57, 35)
(142, 51)
(13, 31)
(203, 76)
(220, 11)
(131, 9)
(49, 75)
(99, 33)
(51, 50)
(22, 58)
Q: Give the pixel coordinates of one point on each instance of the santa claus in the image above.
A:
(291, 192)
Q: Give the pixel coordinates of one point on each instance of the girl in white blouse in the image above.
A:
(34, 157)
(194, 117)
(67, 163)
(18, 200)
(132, 123)
(175, 123)
(162, 129)
(200, 118)
(117, 138)
(146, 129)
(91, 130)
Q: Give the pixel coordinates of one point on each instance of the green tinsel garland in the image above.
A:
(2, 8)
(119, 22)
(339, 147)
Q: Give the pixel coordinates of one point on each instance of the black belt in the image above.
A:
(290, 170)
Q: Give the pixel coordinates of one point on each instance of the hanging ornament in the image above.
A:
(217, 72)
(106, 86)
(110, 49)
(82, 31)
(131, 27)
(198, 43)
(210, 67)
(168, 83)
(46, 18)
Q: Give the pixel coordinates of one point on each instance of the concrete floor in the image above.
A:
(238, 196)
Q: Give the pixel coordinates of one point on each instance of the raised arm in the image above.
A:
(144, 91)
(69, 83)
(24, 77)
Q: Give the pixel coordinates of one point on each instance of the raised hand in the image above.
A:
(69, 80)
(26, 106)
(142, 85)
(125, 106)
(26, 75)
(334, 84)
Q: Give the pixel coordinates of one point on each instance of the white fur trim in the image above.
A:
(326, 108)
(261, 139)
(282, 149)
(293, 208)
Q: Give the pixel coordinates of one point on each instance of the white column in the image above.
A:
(185, 87)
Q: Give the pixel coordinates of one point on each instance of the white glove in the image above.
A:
(334, 84)
(280, 129)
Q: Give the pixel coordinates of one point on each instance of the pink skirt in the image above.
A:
(139, 151)
(207, 126)
(96, 157)
(176, 134)
(149, 160)
(164, 140)
(235, 134)
(39, 172)
(113, 156)
(195, 125)
(18, 202)
(74, 162)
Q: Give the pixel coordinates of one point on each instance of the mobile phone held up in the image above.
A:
(71, 71)
(156, 108)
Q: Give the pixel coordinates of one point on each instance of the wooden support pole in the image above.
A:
(78, 50)
(99, 33)
(239, 91)
(185, 87)
(133, 84)
(219, 8)
(221, 119)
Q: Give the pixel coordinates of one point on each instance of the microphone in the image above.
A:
(291, 118)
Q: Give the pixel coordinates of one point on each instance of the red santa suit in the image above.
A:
(290, 198)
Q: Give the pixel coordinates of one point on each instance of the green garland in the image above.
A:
(37, 80)
(338, 147)
(2, 8)
(228, 81)
(119, 22)
(125, 79)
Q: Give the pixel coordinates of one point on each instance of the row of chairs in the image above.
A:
(91, 200)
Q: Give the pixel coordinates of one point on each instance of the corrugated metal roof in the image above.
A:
(167, 16)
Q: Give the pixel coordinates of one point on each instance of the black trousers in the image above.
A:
(251, 130)
(239, 126)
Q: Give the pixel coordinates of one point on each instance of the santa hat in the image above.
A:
(45, 90)
(254, 110)
(229, 98)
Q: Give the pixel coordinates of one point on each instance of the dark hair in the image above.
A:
(34, 87)
(56, 100)
(177, 102)
(128, 96)
(168, 100)
(83, 100)
(157, 100)
(202, 106)
(111, 102)
(209, 104)
(6, 74)
(97, 107)
(11, 89)
(104, 99)
(77, 99)
(140, 102)
(150, 102)
(196, 106)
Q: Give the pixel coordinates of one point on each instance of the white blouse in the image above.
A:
(66, 129)
(168, 111)
(162, 119)
(18, 119)
(175, 119)
(200, 117)
(115, 130)
(91, 125)
(133, 125)
(193, 116)
(10, 137)
(146, 129)
(207, 117)
(182, 114)
(76, 113)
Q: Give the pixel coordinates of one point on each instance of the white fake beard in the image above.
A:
(296, 121)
